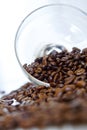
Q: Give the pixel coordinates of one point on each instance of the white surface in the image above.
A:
(11, 14)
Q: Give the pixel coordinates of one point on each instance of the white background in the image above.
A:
(11, 14)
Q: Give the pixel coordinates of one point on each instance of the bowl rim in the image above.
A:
(32, 78)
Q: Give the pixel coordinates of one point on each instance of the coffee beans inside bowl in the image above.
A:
(64, 102)
(62, 68)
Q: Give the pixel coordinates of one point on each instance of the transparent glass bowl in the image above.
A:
(51, 27)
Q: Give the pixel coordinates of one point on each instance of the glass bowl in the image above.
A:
(48, 28)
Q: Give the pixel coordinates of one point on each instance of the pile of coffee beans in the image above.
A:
(32, 106)
(61, 68)
(41, 106)
(64, 102)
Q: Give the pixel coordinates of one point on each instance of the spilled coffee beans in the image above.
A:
(64, 102)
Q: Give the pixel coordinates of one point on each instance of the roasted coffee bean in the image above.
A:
(19, 97)
(77, 57)
(50, 79)
(69, 79)
(55, 78)
(58, 91)
(80, 71)
(81, 83)
(70, 87)
(60, 85)
(44, 60)
(38, 60)
(69, 96)
(84, 51)
(70, 73)
(75, 50)
(38, 70)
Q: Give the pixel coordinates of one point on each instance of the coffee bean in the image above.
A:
(70, 73)
(70, 87)
(69, 79)
(84, 51)
(81, 83)
(69, 96)
(55, 78)
(76, 50)
(80, 71)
